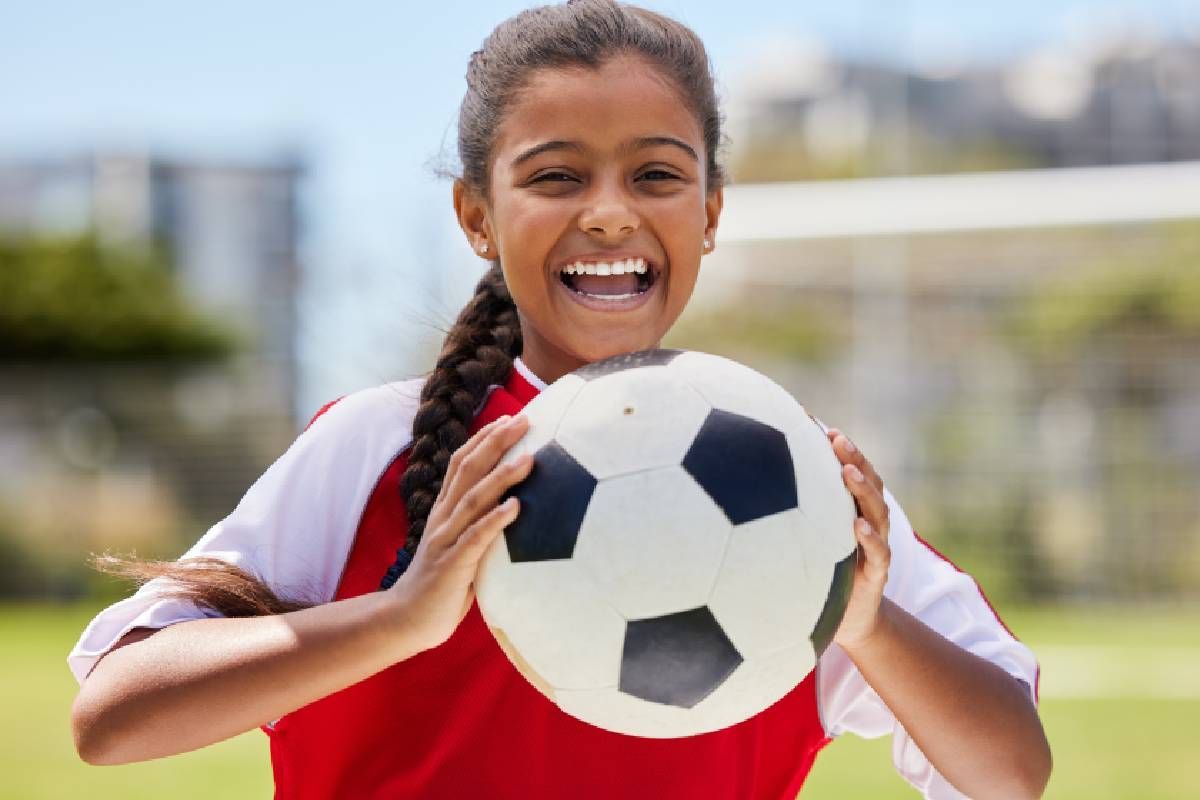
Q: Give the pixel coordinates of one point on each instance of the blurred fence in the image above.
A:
(1031, 393)
(133, 458)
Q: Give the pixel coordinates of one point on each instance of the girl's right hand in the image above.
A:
(437, 589)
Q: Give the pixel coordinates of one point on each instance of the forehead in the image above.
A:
(626, 97)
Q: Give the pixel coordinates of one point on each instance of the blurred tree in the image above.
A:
(792, 331)
(73, 299)
(1123, 342)
(784, 155)
(1158, 295)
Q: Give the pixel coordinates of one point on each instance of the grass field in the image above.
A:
(1116, 733)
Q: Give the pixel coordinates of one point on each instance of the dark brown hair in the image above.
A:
(486, 337)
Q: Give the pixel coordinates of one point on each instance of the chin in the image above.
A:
(598, 351)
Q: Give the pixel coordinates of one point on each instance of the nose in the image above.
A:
(609, 215)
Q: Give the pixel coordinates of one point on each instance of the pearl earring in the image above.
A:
(483, 248)
(707, 243)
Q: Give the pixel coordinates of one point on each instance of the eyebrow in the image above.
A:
(637, 144)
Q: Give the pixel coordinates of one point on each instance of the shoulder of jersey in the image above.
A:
(377, 411)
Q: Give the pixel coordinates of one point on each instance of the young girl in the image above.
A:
(334, 606)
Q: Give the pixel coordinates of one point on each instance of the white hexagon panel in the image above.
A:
(823, 495)
(544, 413)
(740, 388)
(615, 423)
(538, 609)
(653, 541)
(767, 596)
(614, 711)
(756, 685)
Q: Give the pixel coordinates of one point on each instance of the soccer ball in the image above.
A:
(684, 550)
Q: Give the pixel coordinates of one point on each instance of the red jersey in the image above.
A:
(459, 721)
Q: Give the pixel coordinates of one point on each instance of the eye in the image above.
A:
(552, 177)
(656, 175)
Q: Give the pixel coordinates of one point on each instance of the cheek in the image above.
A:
(528, 215)
(684, 221)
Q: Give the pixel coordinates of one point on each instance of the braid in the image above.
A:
(481, 345)
(478, 353)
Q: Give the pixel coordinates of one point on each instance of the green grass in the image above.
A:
(37, 757)
(1120, 747)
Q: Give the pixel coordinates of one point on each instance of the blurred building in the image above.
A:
(148, 453)
(231, 229)
(800, 112)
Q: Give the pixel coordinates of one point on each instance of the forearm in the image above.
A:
(974, 722)
(203, 681)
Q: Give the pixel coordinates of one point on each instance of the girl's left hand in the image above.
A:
(871, 531)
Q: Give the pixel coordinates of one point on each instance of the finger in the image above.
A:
(483, 496)
(480, 460)
(458, 455)
(848, 453)
(869, 499)
(444, 503)
(877, 556)
(476, 539)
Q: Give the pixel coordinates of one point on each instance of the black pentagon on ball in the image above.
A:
(677, 659)
(554, 497)
(642, 358)
(744, 465)
(835, 603)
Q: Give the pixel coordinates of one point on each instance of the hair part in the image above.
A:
(481, 345)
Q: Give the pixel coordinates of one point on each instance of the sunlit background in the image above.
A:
(966, 233)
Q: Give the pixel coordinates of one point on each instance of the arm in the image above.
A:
(973, 721)
(199, 682)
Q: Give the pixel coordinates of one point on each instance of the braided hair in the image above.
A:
(486, 337)
(478, 352)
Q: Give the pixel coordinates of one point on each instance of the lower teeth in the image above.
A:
(611, 296)
(643, 285)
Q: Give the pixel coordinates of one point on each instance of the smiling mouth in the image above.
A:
(620, 280)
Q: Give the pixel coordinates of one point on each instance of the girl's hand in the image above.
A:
(437, 589)
(871, 530)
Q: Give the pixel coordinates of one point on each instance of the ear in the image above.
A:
(713, 204)
(472, 213)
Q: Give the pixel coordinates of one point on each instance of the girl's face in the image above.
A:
(593, 167)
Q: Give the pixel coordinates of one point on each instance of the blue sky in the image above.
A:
(367, 93)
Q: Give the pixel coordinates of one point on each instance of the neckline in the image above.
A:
(522, 383)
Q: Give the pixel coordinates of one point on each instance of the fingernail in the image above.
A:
(855, 474)
(850, 448)
(502, 419)
(863, 526)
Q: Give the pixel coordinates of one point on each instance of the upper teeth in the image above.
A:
(637, 265)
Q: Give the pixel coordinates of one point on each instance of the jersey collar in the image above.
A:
(522, 383)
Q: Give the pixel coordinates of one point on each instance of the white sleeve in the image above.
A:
(295, 526)
(947, 600)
